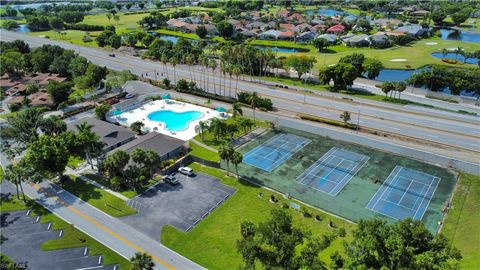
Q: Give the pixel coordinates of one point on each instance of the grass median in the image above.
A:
(212, 243)
(462, 225)
(101, 199)
(71, 238)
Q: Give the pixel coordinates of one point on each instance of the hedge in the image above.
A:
(84, 27)
(328, 121)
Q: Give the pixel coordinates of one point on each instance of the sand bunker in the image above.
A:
(398, 60)
(431, 43)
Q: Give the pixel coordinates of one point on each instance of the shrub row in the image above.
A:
(84, 27)
(328, 121)
(264, 103)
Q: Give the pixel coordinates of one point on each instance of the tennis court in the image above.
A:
(332, 172)
(406, 193)
(275, 151)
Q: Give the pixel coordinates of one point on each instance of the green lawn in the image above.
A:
(75, 161)
(1, 174)
(71, 237)
(202, 152)
(98, 198)
(213, 142)
(462, 225)
(177, 33)
(212, 243)
(13, 204)
(416, 55)
(104, 182)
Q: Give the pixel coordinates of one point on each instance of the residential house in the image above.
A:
(257, 25)
(414, 30)
(18, 88)
(319, 28)
(357, 41)
(111, 135)
(286, 27)
(337, 29)
(296, 17)
(306, 36)
(40, 99)
(331, 38)
(176, 24)
(270, 34)
(317, 21)
(385, 23)
(15, 100)
(380, 40)
(283, 13)
(287, 35)
(419, 13)
(165, 146)
(303, 27)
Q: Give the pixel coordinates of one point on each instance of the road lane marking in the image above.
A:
(96, 223)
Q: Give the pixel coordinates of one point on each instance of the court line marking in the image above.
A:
(323, 162)
(432, 179)
(97, 224)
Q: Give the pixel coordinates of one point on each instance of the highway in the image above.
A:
(447, 129)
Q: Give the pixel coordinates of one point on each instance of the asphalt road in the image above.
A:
(112, 232)
(453, 130)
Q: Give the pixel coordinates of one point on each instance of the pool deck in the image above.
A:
(126, 118)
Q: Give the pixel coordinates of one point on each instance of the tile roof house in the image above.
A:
(319, 28)
(175, 24)
(286, 26)
(357, 41)
(17, 88)
(306, 36)
(287, 35)
(258, 25)
(42, 79)
(296, 17)
(415, 30)
(165, 146)
(111, 135)
(331, 38)
(380, 39)
(303, 27)
(283, 13)
(270, 34)
(336, 29)
(40, 98)
(16, 100)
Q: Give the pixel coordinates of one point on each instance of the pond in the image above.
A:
(452, 34)
(172, 38)
(35, 5)
(22, 28)
(327, 12)
(398, 75)
(281, 49)
(455, 56)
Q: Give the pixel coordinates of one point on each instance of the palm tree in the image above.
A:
(213, 65)
(89, 140)
(164, 59)
(253, 100)
(237, 71)
(174, 61)
(236, 159)
(458, 51)
(14, 175)
(444, 52)
(190, 60)
(236, 109)
(225, 152)
(142, 261)
(203, 127)
(109, 17)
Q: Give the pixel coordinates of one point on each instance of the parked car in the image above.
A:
(113, 101)
(170, 179)
(186, 170)
(112, 55)
(129, 95)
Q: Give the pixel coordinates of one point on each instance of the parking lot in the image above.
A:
(183, 205)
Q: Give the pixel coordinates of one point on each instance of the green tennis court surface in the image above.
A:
(342, 178)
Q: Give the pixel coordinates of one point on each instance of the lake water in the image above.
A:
(327, 12)
(22, 28)
(455, 56)
(281, 49)
(467, 36)
(35, 5)
(398, 75)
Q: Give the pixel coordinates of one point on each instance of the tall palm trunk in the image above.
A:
(23, 193)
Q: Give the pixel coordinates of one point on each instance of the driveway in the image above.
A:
(182, 206)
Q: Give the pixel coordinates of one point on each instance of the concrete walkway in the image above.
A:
(204, 145)
(112, 232)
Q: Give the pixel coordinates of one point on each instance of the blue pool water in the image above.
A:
(281, 49)
(175, 121)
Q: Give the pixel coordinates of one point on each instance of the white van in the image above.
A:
(186, 170)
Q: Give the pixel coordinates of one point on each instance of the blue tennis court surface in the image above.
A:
(332, 172)
(406, 193)
(275, 151)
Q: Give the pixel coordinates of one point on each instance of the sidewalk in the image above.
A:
(112, 232)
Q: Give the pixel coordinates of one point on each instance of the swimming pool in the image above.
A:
(175, 121)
